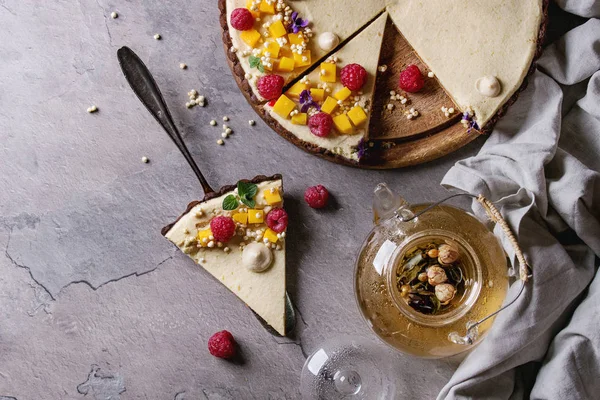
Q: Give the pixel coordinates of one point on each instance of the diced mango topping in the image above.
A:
(296, 38)
(342, 124)
(284, 106)
(272, 196)
(250, 37)
(266, 7)
(271, 235)
(272, 47)
(329, 105)
(277, 29)
(298, 88)
(328, 72)
(342, 94)
(255, 14)
(302, 60)
(357, 115)
(317, 94)
(241, 218)
(255, 216)
(285, 65)
(300, 119)
(204, 237)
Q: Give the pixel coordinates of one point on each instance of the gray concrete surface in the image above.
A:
(94, 302)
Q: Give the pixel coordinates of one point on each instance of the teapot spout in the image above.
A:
(386, 203)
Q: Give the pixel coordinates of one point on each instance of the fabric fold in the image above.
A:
(541, 166)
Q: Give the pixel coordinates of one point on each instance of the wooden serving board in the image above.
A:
(396, 141)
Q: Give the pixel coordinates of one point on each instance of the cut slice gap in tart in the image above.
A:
(266, 48)
(391, 111)
(489, 43)
(349, 109)
(264, 292)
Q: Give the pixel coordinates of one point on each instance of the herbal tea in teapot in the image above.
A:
(420, 279)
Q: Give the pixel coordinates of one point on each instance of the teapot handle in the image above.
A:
(524, 268)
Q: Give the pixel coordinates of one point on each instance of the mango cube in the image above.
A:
(241, 218)
(255, 216)
(250, 37)
(342, 124)
(297, 89)
(272, 196)
(342, 94)
(284, 106)
(317, 94)
(357, 115)
(300, 119)
(204, 237)
(256, 13)
(277, 29)
(302, 60)
(328, 72)
(271, 235)
(285, 65)
(272, 47)
(329, 105)
(266, 7)
(296, 38)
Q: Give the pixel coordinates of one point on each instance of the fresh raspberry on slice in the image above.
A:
(316, 196)
(222, 345)
(320, 124)
(242, 19)
(277, 220)
(411, 79)
(270, 86)
(222, 228)
(353, 76)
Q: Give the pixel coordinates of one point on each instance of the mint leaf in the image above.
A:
(247, 191)
(230, 203)
(261, 68)
(254, 61)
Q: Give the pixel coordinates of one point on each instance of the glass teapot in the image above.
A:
(397, 275)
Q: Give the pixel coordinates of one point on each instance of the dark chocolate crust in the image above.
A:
(225, 189)
(239, 75)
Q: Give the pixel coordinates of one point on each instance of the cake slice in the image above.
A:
(480, 52)
(313, 27)
(322, 91)
(250, 258)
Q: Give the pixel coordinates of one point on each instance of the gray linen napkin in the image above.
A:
(542, 165)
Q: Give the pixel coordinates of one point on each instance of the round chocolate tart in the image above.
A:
(474, 61)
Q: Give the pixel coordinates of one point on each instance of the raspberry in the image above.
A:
(353, 76)
(270, 86)
(316, 196)
(222, 345)
(222, 228)
(242, 19)
(277, 220)
(320, 124)
(411, 79)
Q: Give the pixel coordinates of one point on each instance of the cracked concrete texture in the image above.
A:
(95, 303)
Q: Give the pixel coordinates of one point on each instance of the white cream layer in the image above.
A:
(338, 16)
(364, 50)
(263, 292)
(462, 41)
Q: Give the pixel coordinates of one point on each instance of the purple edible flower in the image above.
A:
(307, 101)
(297, 23)
(471, 123)
(362, 148)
